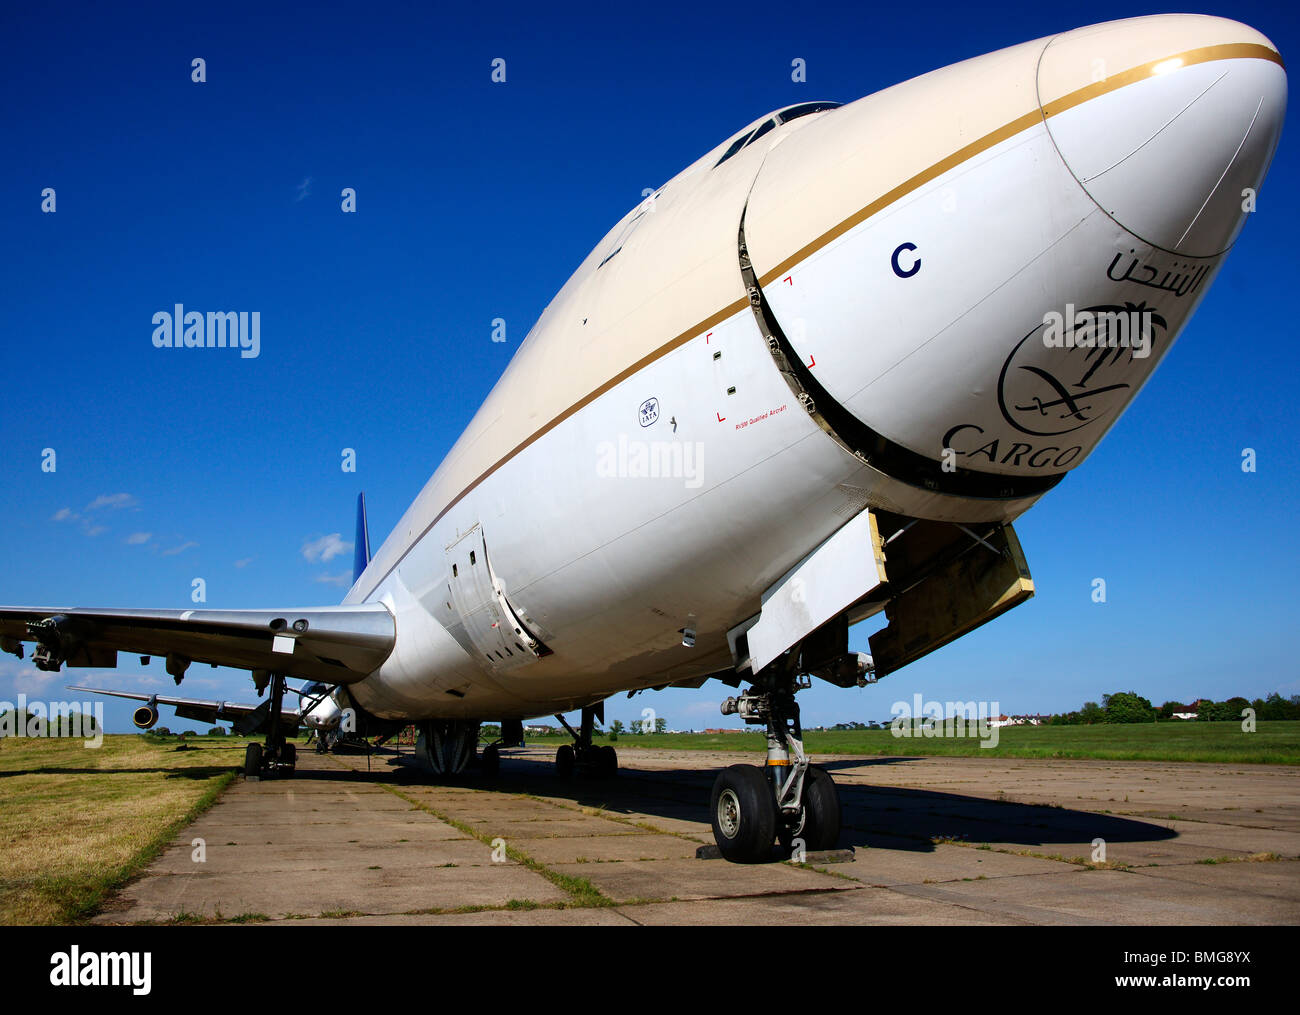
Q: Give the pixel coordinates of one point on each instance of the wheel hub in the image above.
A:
(729, 813)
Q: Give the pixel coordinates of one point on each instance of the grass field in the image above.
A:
(76, 822)
(1272, 743)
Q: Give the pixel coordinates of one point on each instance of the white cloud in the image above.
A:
(304, 190)
(88, 526)
(21, 676)
(125, 681)
(112, 500)
(343, 578)
(136, 538)
(179, 549)
(326, 548)
(244, 563)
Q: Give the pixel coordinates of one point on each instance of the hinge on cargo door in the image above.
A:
(510, 616)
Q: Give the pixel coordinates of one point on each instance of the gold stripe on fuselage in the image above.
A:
(1235, 51)
(1204, 54)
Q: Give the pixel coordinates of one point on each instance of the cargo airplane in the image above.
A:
(814, 377)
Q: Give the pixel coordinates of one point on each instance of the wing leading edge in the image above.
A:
(246, 718)
(333, 644)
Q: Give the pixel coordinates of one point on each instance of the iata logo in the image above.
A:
(649, 411)
(1076, 367)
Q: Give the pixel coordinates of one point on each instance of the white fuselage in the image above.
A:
(643, 467)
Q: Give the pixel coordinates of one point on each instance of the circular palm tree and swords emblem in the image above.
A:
(1035, 400)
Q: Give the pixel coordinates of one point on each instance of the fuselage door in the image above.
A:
(489, 626)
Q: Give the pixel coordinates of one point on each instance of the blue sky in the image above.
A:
(476, 201)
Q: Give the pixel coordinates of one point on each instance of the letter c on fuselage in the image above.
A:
(900, 271)
(947, 438)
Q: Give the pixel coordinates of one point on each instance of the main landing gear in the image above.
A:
(278, 756)
(447, 746)
(592, 759)
(793, 802)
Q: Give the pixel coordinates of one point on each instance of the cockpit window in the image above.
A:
(736, 145)
(785, 116)
(806, 108)
(746, 141)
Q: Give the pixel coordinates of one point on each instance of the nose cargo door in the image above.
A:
(945, 580)
(935, 581)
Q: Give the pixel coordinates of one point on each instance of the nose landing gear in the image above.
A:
(795, 802)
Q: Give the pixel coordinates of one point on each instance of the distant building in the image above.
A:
(1189, 711)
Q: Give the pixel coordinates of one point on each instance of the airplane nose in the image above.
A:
(1167, 122)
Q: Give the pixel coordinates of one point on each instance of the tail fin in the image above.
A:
(361, 551)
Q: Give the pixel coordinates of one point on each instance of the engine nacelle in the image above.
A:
(145, 717)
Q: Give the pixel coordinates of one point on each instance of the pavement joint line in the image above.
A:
(584, 894)
(562, 881)
(1156, 872)
(1075, 861)
(621, 819)
(588, 811)
(1018, 911)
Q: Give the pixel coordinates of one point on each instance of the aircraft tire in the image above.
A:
(744, 814)
(565, 759)
(819, 825)
(253, 760)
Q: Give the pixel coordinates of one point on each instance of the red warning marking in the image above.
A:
(706, 338)
(721, 417)
(812, 361)
(761, 417)
(788, 278)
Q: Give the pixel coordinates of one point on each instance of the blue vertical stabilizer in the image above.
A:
(361, 548)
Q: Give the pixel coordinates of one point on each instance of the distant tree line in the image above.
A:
(71, 723)
(1129, 706)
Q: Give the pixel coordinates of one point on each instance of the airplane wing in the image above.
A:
(332, 644)
(246, 718)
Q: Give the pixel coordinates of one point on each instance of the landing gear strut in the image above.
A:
(277, 757)
(593, 759)
(794, 801)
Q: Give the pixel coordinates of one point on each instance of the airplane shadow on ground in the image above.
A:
(886, 817)
(170, 773)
